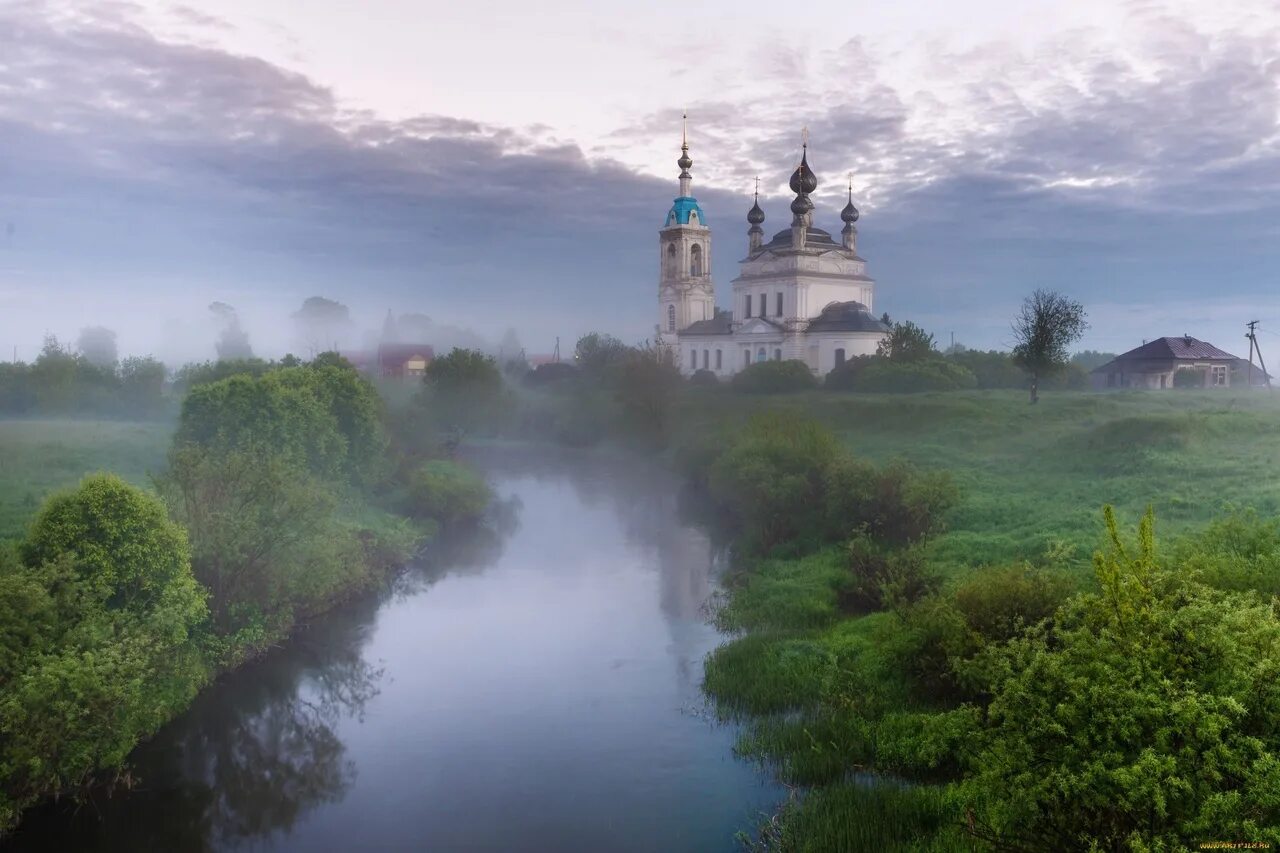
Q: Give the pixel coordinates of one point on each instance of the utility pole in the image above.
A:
(1252, 335)
(556, 358)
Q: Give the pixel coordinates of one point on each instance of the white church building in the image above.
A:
(800, 295)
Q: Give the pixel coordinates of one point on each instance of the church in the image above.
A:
(800, 295)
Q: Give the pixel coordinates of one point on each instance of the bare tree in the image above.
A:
(1047, 324)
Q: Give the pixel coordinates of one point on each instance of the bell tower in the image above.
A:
(685, 291)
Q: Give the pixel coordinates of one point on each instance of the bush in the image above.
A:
(447, 493)
(1238, 552)
(914, 376)
(999, 603)
(704, 378)
(882, 578)
(845, 377)
(774, 377)
(1189, 377)
(550, 374)
(897, 503)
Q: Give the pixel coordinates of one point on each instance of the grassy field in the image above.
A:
(1032, 476)
(38, 457)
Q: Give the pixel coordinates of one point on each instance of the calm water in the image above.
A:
(533, 689)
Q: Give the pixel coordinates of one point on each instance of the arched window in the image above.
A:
(777, 355)
(695, 260)
(761, 355)
(671, 260)
(671, 318)
(693, 359)
(748, 306)
(839, 357)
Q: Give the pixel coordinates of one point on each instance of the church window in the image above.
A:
(671, 318)
(764, 305)
(777, 355)
(839, 357)
(693, 359)
(671, 260)
(719, 360)
(748, 306)
(746, 357)
(761, 355)
(706, 359)
(778, 306)
(695, 260)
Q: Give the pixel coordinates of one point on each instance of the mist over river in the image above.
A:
(532, 687)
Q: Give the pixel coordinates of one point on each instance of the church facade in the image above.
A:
(798, 295)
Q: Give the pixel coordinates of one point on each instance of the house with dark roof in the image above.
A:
(1156, 363)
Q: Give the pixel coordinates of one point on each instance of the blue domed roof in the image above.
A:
(680, 210)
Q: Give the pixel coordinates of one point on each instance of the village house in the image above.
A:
(1155, 364)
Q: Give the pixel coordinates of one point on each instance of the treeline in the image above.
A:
(285, 493)
(64, 382)
(1030, 710)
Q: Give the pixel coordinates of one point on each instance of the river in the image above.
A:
(535, 687)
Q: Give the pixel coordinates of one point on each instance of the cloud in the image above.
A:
(139, 165)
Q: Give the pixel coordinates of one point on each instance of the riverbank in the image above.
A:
(832, 686)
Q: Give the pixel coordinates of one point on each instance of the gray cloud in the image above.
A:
(134, 160)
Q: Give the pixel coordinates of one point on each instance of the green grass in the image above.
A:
(39, 457)
(1035, 475)
(816, 688)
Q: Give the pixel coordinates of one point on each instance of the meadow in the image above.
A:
(40, 457)
(1034, 476)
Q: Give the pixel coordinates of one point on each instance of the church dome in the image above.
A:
(846, 317)
(685, 160)
(755, 215)
(850, 213)
(801, 205)
(803, 181)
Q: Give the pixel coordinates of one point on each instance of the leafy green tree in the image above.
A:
(463, 391)
(595, 354)
(1091, 358)
(321, 324)
(907, 342)
(233, 340)
(1043, 330)
(1143, 717)
(448, 493)
(142, 386)
(645, 384)
(774, 377)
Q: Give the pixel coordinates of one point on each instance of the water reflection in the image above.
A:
(519, 689)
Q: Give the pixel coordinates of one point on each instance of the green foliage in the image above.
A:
(644, 385)
(448, 493)
(896, 503)
(63, 382)
(905, 377)
(1146, 717)
(881, 577)
(704, 378)
(463, 391)
(106, 654)
(1190, 377)
(773, 377)
(907, 342)
(1238, 552)
(1000, 602)
(596, 354)
(1043, 330)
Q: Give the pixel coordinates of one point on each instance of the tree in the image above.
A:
(596, 353)
(322, 323)
(1047, 324)
(906, 342)
(233, 341)
(645, 383)
(97, 344)
(462, 390)
(142, 385)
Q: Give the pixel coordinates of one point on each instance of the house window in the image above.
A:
(778, 306)
(719, 361)
(761, 355)
(671, 318)
(1219, 374)
(839, 357)
(748, 306)
(706, 359)
(695, 260)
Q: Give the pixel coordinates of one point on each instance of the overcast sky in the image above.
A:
(501, 163)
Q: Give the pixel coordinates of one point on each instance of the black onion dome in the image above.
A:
(801, 205)
(850, 213)
(803, 181)
(755, 215)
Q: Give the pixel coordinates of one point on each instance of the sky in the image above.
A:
(503, 164)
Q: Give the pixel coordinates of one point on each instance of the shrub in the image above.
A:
(704, 378)
(897, 503)
(1189, 377)
(774, 377)
(1238, 552)
(448, 493)
(845, 377)
(913, 376)
(881, 577)
(999, 603)
(550, 374)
